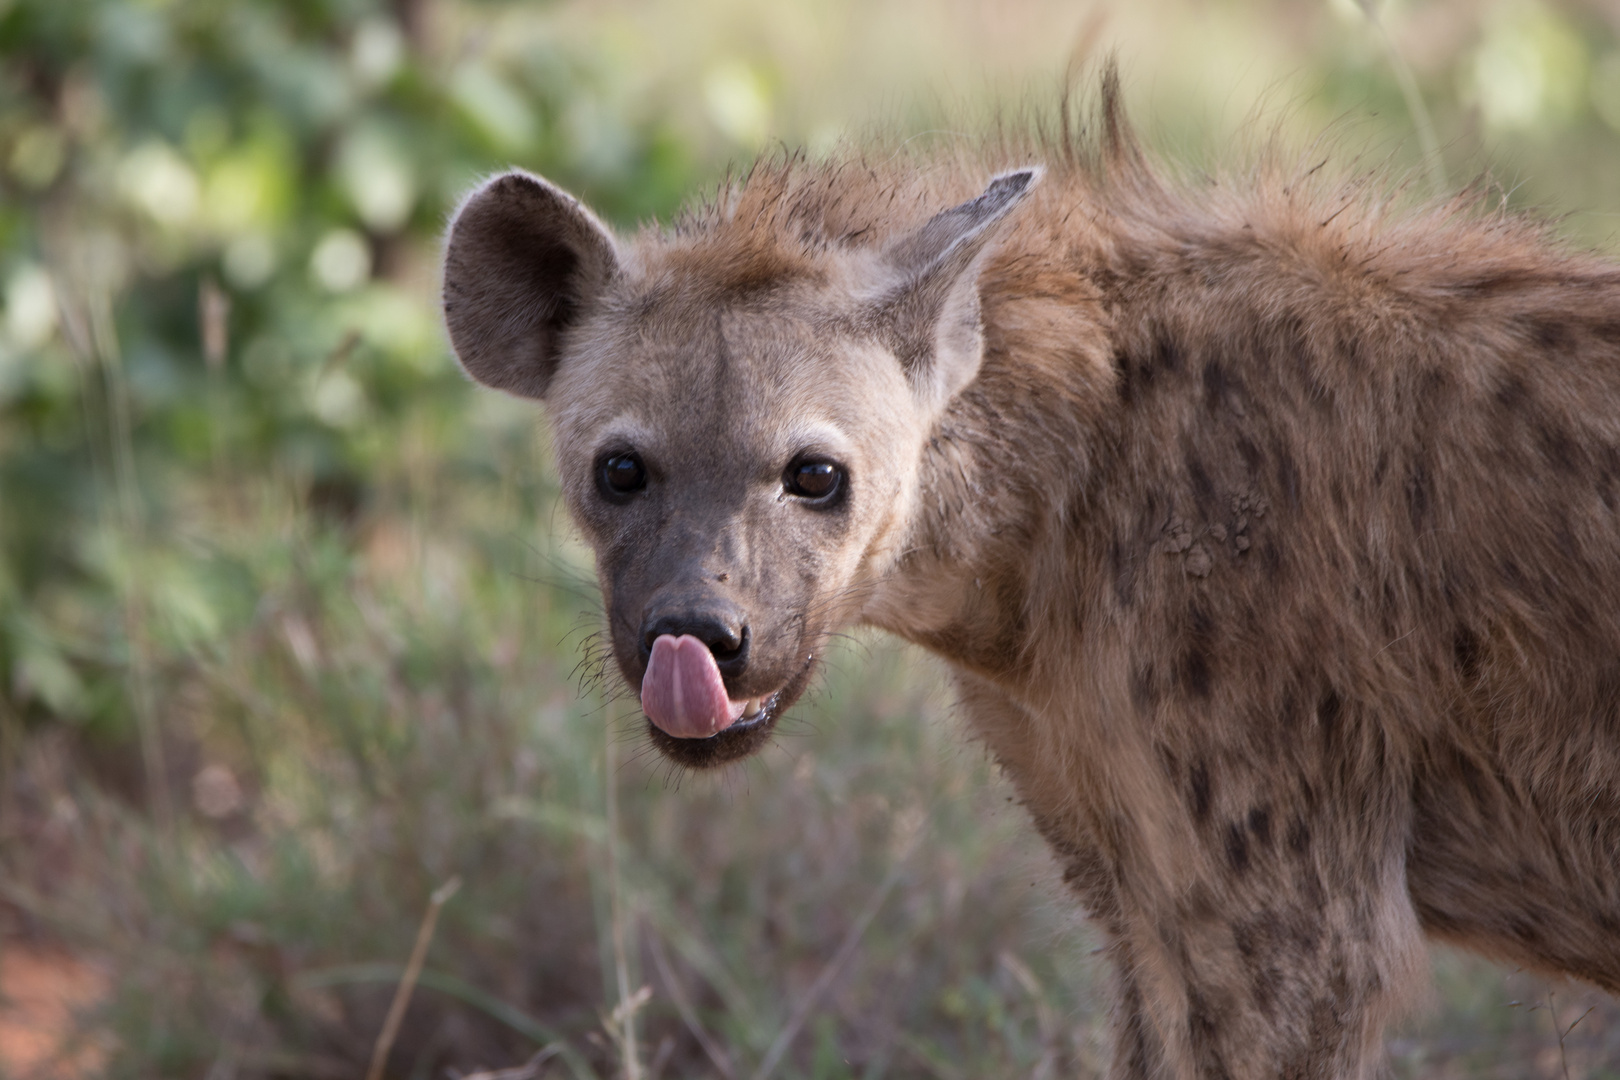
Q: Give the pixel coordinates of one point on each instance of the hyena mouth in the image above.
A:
(746, 735)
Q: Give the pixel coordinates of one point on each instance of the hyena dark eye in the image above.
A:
(816, 480)
(619, 476)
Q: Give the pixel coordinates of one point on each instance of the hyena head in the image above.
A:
(739, 422)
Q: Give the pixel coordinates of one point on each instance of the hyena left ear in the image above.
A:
(932, 317)
(522, 260)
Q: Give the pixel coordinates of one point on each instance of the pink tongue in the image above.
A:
(682, 691)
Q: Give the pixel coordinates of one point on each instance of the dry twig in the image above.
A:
(677, 994)
(846, 949)
(407, 982)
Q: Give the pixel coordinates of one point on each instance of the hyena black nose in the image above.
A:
(724, 632)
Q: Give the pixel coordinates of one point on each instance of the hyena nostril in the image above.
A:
(727, 638)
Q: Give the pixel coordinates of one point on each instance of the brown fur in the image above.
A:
(1273, 529)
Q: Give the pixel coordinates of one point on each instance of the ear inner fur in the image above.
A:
(523, 260)
(931, 319)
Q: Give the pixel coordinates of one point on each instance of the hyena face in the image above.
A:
(739, 439)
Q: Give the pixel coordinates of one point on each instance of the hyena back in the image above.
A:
(1273, 535)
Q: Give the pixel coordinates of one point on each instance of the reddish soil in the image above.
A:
(42, 990)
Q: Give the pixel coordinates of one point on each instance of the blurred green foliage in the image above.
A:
(274, 174)
(291, 629)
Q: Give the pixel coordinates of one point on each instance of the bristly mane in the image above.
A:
(785, 211)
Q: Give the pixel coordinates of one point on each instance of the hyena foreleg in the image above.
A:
(1253, 898)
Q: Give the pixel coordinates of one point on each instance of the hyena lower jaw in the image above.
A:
(1272, 531)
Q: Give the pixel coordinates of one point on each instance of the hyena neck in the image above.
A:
(1005, 478)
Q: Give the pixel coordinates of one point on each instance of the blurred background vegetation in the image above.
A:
(292, 630)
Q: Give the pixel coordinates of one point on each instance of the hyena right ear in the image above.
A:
(931, 317)
(522, 260)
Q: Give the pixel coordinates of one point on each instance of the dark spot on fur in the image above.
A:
(1479, 787)
(1321, 1038)
(1434, 383)
(1494, 283)
(1137, 1041)
(1237, 847)
(1200, 622)
(1203, 489)
(1124, 574)
(1256, 941)
(1327, 713)
(1196, 672)
(1287, 477)
(1417, 493)
(1514, 575)
(1246, 935)
(1201, 795)
(1194, 669)
(1299, 836)
(1166, 353)
(1608, 331)
(1265, 982)
(1271, 557)
(1387, 600)
(1315, 894)
(1221, 387)
(1348, 346)
(1094, 881)
(1380, 468)
(1465, 651)
(1557, 447)
(1169, 763)
(1564, 537)
(1250, 454)
(1552, 335)
(1449, 586)
(1136, 374)
(1260, 825)
(1214, 384)
(1512, 394)
(1608, 465)
(1122, 362)
(1203, 1031)
(1288, 711)
(1144, 688)
(1525, 929)
(1124, 377)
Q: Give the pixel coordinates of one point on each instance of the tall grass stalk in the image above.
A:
(93, 335)
(1419, 111)
(407, 982)
(846, 950)
(624, 1014)
(213, 327)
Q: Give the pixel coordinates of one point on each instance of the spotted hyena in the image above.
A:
(1272, 532)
